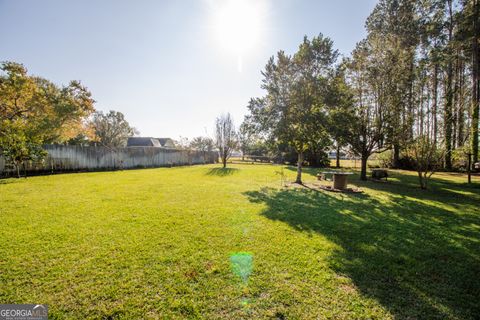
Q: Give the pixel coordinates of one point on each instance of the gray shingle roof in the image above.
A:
(166, 142)
(143, 142)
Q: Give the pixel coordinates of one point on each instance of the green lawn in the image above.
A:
(158, 243)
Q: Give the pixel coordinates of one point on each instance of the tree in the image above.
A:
(448, 108)
(341, 113)
(183, 143)
(17, 147)
(393, 36)
(245, 138)
(203, 144)
(366, 132)
(470, 29)
(111, 129)
(428, 158)
(34, 111)
(293, 112)
(225, 137)
(50, 112)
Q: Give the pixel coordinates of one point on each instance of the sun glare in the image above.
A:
(238, 25)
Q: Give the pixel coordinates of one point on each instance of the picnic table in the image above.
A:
(340, 179)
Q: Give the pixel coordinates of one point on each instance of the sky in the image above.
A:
(170, 66)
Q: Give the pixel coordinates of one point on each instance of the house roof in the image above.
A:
(164, 141)
(143, 142)
(149, 142)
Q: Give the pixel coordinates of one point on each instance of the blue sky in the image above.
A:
(170, 66)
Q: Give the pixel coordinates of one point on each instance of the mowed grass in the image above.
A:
(156, 243)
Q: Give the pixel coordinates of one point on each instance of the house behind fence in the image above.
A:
(62, 158)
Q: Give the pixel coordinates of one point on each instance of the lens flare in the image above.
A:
(242, 265)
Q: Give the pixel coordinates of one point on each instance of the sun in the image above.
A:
(238, 25)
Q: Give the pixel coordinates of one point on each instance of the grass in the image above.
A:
(163, 243)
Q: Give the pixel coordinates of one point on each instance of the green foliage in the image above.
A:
(18, 147)
(385, 159)
(203, 144)
(428, 157)
(34, 111)
(294, 111)
(111, 129)
(48, 112)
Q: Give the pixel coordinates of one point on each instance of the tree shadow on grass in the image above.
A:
(407, 184)
(6, 180)
(417, 260)
(221, 172)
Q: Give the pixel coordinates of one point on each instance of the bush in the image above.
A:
(460, 158)
(405, 162)
(385, 159)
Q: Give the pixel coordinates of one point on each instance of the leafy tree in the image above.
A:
(367, 130)
(393, 36)
(469, 35)
(245, 138)
(111, 129)
(428, 158)
(17, 146)
(226, 138)
(203, 144)
(293, 112)
(341, 113)
(50, 112)
(17, 90)
(34, 111)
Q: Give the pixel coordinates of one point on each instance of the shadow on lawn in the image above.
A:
(221, 172)
(417, 259)
(6, 180)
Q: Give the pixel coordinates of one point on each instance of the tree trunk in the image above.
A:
(396, 156)
(469, 166)
(18, 169)
(475, 81)
(224, 160)
(363, 172)
(421, 180)
(435, 102)
(448, 119)
(299, 168)
(460, 111)
(338, 156)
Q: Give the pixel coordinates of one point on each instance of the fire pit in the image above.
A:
(340, 179)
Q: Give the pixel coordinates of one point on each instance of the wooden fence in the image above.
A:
(63, 158)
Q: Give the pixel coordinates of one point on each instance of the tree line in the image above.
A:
(409, 90)
(34, 111)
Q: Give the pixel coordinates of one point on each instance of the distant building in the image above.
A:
(333, 155)
(150, 142)
(166, 142)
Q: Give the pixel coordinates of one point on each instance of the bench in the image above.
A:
(378, 174)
